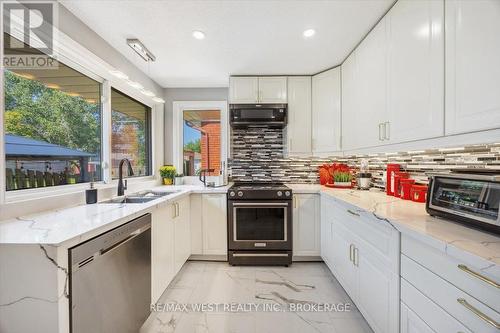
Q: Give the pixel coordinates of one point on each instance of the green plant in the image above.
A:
(168, 171)
(342, 177)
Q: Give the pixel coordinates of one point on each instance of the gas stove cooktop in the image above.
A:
(258, 191)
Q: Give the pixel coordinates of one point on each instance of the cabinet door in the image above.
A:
(243, 90)
(272, 89)
(299, 115)
(415, 70)
(411, 323)
(326, 232)
(162, 250)
(343, 244)
(214, 224)
(472, 65)
(377, 290)
(326, 111)
(306, 225)
(182, 233)
(350, 104)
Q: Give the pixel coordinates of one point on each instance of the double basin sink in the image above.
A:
(140, 197)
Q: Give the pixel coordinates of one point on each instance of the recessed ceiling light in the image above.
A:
(134, 84)
(119, 74)
(158, 100)
(147, 93)
(198, 34)
(309, 33)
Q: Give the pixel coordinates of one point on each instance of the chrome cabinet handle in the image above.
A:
(380, 132)
(479, 276)
(174, 211)
(351, 254)
(387, 130)
(294, 202)
(352, 213)
(178, 210)
(478, 313)
(356, 257)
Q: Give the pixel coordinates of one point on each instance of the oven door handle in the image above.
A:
(280, 204)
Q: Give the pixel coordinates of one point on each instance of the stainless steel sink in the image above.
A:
(131, 200)
(141, 197)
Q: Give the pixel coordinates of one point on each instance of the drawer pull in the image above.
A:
(352, 213)
(479, 276)
(351, 254)
(478, 313)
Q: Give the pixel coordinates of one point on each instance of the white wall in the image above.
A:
(186, 94)
(84, 35)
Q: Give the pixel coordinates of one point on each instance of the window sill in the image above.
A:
(40, 193)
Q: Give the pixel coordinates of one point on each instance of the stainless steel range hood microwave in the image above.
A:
(242, 115)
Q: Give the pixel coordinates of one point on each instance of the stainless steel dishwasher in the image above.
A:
(110, 280)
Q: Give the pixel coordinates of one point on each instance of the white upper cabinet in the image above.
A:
(472, 65)
(299, 115)
(244, 90)
(272, 89)
(252, 89)
(364, 90)
(326, 120)
(415, 70)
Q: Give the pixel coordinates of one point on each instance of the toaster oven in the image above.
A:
(469, 198)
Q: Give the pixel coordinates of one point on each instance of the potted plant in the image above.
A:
(342, 178)
(340, 175)
(167, 173)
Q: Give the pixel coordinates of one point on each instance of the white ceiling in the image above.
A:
(242, 37)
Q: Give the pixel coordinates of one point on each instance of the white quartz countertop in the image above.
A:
(73, 225)
(412, 219)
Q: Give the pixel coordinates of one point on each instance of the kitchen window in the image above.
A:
(52, 126)
(130, 134)
(202, 142)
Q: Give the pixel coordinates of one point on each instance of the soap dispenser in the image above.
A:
(91, 194)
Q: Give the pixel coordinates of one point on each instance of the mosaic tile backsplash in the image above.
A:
(258, 156)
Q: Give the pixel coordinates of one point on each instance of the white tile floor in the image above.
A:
(211, 283)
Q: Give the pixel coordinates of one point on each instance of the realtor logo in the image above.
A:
(29, 32)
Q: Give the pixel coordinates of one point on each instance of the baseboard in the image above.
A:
(208, 257)
(306, 258)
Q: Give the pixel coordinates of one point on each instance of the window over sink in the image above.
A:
(52, 125)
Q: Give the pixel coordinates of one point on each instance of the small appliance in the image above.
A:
(470, 198)
(243, 115)
(364, 178)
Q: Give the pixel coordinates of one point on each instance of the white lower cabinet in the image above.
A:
(182, 234)
(306, 225)
(214, 224)
(362, 255)
(170, 244)
(162, 249)
(326, 231)
(436, 286)
(411, 323)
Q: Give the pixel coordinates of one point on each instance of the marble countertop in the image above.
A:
(412, 219)
(73, 225)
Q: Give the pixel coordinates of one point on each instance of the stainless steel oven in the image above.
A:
(260, 230)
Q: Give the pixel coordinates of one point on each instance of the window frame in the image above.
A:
(76, 56)
(148, 128)
(178, 132)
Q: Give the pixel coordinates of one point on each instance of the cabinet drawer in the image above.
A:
(462, 306)
(434, 316)
(464, 275)
(380, 235)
